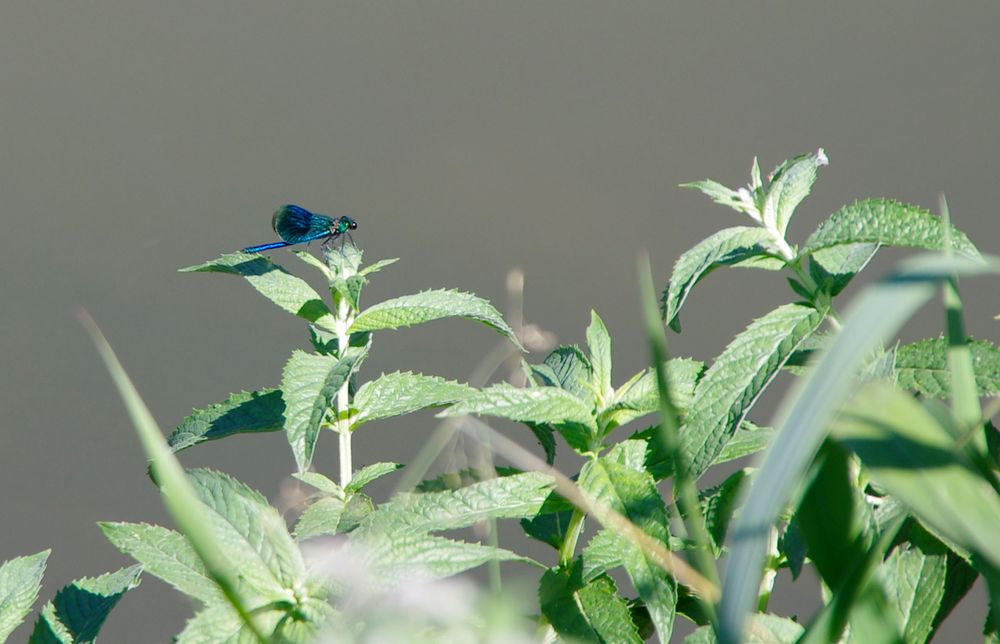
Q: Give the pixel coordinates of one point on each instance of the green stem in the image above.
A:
(770, 572)
(568, 547)
(344, 317)
(804, 277)
(832, 317)
(783, 248)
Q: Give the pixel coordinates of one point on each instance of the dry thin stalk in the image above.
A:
(605, 515)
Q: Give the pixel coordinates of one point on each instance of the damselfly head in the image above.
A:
(343, 224)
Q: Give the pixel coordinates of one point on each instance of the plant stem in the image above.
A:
(344, 316)
(343, 424)
(568, 547)
(770, 572)
(779, 241)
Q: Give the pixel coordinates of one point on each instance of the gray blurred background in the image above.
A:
(466, 139)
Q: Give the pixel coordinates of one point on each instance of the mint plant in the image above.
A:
(866, 474)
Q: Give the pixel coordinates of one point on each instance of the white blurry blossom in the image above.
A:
(372, 608)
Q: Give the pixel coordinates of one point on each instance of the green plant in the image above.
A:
(889, 493)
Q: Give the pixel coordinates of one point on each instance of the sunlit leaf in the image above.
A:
(20, 580)
(425, 306)
(272, 281)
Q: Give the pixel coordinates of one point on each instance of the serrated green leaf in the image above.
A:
(761, 262)
(690, 606)
(296, 624)
(252, 533)
(718, 504)
(20, 580)
(321, 517)
(886, 222)
(833, 268)
(462, 478)
(830, 517)
(602, 553)
(806, 351)
(599, 344)
(871, 619)
(914, 581)
(550, 405)
(165, 554)
(551, 523)
(568, 368)
(586, 612)
(764, 628)
(633, 494)
(78, 611)
(305, 622)
(631, 453)
(369, 473)
(275, 283)
(375, 267)
(748, 439)
(325, 342)
(788, 185)
(793, 546)
(509, 497)
(314, 261)
(860, 600)
(922, 367)
(639, 396)
(800, 290)
(545, 436)
(724, 248)
(322, 483)
(732, 384)
(909, 454)
(804, 418)
(216, 624)
(425, 306)
(959, 578)
(241, 413)
(178, 494)
(739, 200)
(398, 393)
(343, 259)
(309, 384)
(219, 624)
(359, 506)
(537, 375)
(407, 557)
(349, 288)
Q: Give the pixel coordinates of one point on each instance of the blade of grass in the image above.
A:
(964, 394)
(684, 487)
(179, 497)
(803, 419)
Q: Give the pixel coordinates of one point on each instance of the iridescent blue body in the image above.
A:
(296, 225)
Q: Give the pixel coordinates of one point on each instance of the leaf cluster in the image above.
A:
(867, 475)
